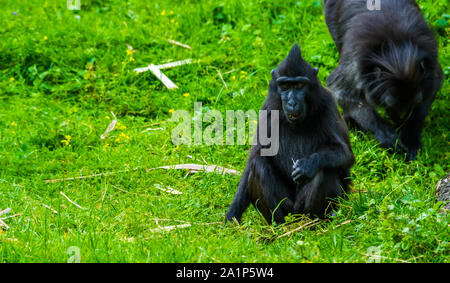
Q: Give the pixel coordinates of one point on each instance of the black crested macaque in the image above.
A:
(388, 74)
(312, 165)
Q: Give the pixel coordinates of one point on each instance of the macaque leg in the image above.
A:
(270, 196)
(366, 119)
(412, 130)
(314, 198)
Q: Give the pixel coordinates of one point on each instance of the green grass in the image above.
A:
(61, 74)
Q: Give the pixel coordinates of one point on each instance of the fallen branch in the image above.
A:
(71, 201)
(156, 70)
(51, 209)
(193, 168)
(163, 78)
(181, 226)
(179, 44)
(306, 225)
(170, 228)
(162, 219)
(12, 216)
(110, 128)
(174, 64)
(3, 224)
(7, 210)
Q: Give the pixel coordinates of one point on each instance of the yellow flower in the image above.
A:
(131, 59)
(14, 124)
(123, 127)
(45, 37)
(11, 80)
(186, 94)
(243, 72)
(233, 77)
(129, 52)
(163, 12)
(107, 117)
(172, 110)
(171, 13)
(66, 141)
(122, 135)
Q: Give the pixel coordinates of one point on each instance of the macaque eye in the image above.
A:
(299, 85)
(285, 86)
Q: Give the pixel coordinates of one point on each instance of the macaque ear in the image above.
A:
(273, 73)
(316, 71)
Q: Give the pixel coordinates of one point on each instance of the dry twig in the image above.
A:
(306, 225)
(110, 128)
(179, 44)
(71, 201)
(51, 209)
(7, 210)
(193, 168)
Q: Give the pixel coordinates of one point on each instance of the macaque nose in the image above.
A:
(292, 104)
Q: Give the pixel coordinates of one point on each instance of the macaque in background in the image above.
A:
(388, 65)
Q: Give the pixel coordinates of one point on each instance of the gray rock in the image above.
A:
(443, 192)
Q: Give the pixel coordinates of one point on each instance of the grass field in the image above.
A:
(63, 72)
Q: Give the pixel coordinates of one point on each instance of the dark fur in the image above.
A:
(388, 60)
(320, 145)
